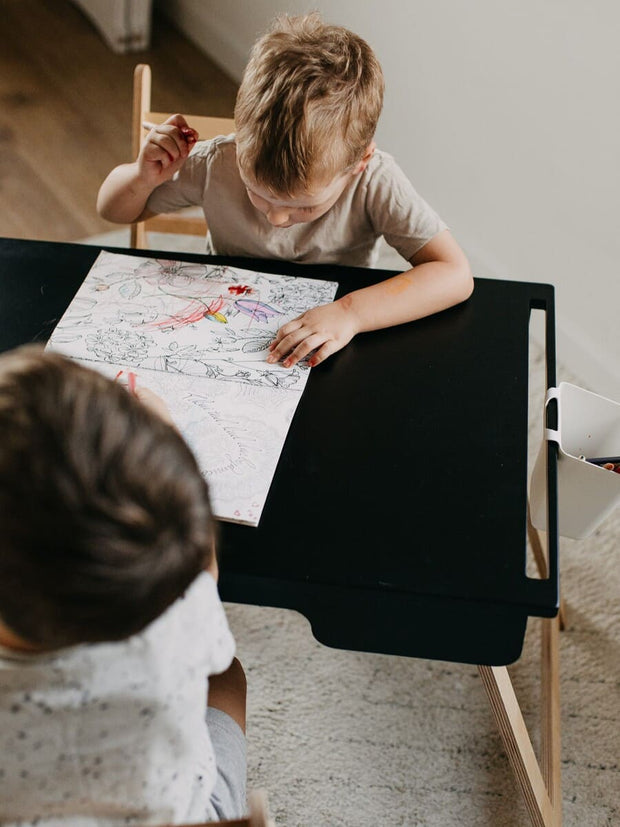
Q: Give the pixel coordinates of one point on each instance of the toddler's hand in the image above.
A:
(166, 149)
(155, 403)
(326, 329)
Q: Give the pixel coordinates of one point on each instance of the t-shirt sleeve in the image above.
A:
(222, 651)
(397, 211)
(197, 621)
(187, 186)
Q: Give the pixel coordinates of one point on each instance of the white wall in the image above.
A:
(506, 117)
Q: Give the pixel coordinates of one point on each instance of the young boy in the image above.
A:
(110, 620)
(302, 180)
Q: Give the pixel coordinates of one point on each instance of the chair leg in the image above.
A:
(137, 236)
(541, 788)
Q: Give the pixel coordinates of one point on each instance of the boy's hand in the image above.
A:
(166, 149)
(155, 403)
(325, 329)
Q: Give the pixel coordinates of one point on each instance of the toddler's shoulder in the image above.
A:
(221, 147)
(382, 164)
(214, 161)
(383, 180)
(193, 631)
(199, 600)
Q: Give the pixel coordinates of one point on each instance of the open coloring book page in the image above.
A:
(198, 336)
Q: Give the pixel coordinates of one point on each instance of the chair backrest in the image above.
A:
(179, 222)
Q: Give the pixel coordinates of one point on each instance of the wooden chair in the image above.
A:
(258, 815)
(184, 221)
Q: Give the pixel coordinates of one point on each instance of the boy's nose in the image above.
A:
(278, 216)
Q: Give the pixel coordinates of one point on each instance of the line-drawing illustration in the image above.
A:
(188, 318)
(198, 335)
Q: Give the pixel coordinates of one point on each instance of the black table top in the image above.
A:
(396, 520)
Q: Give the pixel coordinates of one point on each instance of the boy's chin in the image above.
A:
(292, 224)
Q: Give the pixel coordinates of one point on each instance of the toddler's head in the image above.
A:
(306, 111)
(104, 515)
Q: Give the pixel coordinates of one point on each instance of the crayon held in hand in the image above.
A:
(186, 131)
(131, 380)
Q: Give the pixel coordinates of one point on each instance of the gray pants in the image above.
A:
(229, 746)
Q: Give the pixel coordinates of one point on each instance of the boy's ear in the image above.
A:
(363, 162)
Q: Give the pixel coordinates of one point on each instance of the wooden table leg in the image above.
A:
(550, 742)
(540, 787)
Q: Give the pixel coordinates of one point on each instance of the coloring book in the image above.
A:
(197, 335)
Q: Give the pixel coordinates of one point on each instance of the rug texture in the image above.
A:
(364, 740)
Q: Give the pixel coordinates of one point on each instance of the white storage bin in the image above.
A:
(588, 425)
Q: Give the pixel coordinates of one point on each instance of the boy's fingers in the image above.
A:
(156, 151)
(156, 404)
(176, 120)
(287, 329)
(187, 132)
(190, 135)
(284, 345)
(303, 349)
(171, 141)
(323, 352)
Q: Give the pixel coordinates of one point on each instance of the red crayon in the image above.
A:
(186, 131)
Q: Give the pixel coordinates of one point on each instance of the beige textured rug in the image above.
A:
(344, 738)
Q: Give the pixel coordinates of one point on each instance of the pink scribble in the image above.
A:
(214, 306)
(190, 314)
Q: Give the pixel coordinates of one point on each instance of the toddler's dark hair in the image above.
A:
(104, 515)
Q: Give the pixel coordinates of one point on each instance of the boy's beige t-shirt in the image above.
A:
(380, 201)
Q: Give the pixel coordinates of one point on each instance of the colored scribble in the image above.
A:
(190, 314)
(257, 311)
(213, 311)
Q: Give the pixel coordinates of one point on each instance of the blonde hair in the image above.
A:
(308, 104)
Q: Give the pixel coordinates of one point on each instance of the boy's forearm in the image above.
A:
(123, 195)
(425, 289)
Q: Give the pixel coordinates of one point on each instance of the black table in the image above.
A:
(397, 519)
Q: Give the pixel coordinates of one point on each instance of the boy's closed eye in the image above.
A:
(309, 205)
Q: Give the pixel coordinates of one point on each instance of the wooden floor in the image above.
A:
(65, 107)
